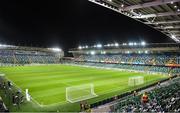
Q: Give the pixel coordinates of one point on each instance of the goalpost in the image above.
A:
(137, 80)
(80, 93)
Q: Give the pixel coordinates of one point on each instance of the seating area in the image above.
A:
(26, 57)
(164, 98)
(153, 62)
(145, 68)
(151, 59)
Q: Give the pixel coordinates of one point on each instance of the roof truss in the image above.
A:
(149, 4)
(162, 15)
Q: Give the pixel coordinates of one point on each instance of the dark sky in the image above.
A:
(68, 23)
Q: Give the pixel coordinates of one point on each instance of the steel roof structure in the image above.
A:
(162, 15)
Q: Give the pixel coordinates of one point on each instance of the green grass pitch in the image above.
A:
(47, 83)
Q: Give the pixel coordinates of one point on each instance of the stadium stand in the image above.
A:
(161, 58)
(154, 59)
(16, 55)
(162, 99)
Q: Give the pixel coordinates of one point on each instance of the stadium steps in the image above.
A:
(15, 59)
(29, 59)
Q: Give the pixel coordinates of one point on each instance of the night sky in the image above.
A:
(67, 24)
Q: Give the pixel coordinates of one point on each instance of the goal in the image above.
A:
(80, 93)
(137, 80)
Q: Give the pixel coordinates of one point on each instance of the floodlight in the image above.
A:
(173, 36)
(130, 44)
(116, 44)
(109, 45)
(56, 49)
(143, 43)
(86, 46)
(79, 47)
(2, 45)
(135, 43)
(124, 44)
(122, 5)
(99, 46)
(146, 52)
(92, 52)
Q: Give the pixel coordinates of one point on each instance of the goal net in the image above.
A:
(134, 81)
(80, 93)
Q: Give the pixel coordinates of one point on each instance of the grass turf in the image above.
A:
(47, 83)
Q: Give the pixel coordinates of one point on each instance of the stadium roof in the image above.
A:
(162, 15)
(151, 47)
(12, 47)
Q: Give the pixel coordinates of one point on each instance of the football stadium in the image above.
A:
(44, 80)
(103, 77)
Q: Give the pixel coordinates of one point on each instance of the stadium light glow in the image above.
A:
(124, 44)
(122, 5)
(112, 45)
(86, 46)
(2, 45)
(135, 43)
(56, 49)
(103, 52)
(109, 45)
(143, 43)
(146, 52)
(116, 44)
(79, 47)
(130, 44)
(173, 36)
(99, 46)
(92, 52)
